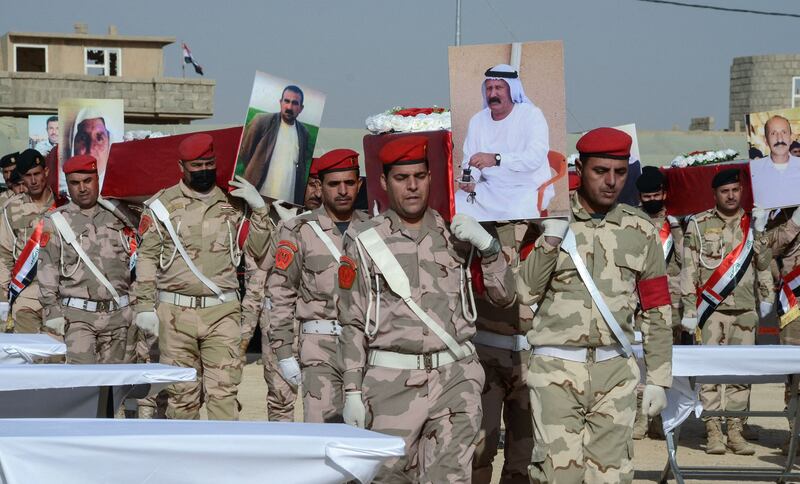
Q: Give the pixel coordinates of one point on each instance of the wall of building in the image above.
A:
(761, 83)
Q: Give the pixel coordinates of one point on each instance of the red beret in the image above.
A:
(407, 150)
(80, 163)
(314, 170)
(605, 143)
(335, 160)
(196, 147)
(574, 181)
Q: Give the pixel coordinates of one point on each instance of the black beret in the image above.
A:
(28, 160)
(15, 177)
(651, 180)
(725, 177)
(9, 159)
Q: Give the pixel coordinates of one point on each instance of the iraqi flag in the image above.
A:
(187, 58)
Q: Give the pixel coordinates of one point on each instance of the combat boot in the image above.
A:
(736, 441)
(714, 444)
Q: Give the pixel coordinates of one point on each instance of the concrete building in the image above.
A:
(763, 83)
(39, 69)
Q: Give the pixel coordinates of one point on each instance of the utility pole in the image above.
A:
(458, 22)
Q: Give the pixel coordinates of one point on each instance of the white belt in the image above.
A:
(579, 354)
(427, 361)
(195, 301)
(267, 304)
(322, 326)
(95, 306)
(516, 342)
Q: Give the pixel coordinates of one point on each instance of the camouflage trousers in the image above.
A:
(583, 417)
(96, 337)
(323, 387)
(436, 413)
(728, 328)
(26, 312)
(281, 396)
(207, 340)
(146, 351)
(504, 393)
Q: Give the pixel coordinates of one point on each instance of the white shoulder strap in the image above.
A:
(569, 245)
(398, 282)
(160, 211)
(325, 240)
(68, 235)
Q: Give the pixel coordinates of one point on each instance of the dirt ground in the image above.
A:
(650, 454)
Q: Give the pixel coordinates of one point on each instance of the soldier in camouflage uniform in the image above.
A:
(411, 356)
(77, 304)
(651, 185)
(301, 287)
(20, 219)
(711, 236)
(198, 311)
(504, 351)
(581, 377)
(7, 165)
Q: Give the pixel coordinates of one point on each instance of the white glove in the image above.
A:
(290, 370)
(247, 192)
(764, 309)
(283, 212)
(760, 217)
(468, 229)
(689, 324)
(354, 412)
(147, 322)
(109, 205)
(796, 216)
(654, 400)
(555, 227)
(4, 309)
(57, 325)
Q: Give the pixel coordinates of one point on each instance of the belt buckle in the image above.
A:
(198, 302)
(591, 354)
(427, 362)
(102, 306)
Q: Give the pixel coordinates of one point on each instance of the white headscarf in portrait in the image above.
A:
(83, 115)
(505, 72)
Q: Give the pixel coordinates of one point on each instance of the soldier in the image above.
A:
(723, 269)
(20, 233)
(7, 165)
(651, 185)
(15, 187)
(588, 276)
(784, 243)
(84, 269)
(187, 262)
(503, 352)
(301, 287)
(412, 357)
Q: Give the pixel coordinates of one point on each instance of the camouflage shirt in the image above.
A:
(713, 236)
(19, 218)
(620, 251)
(301, 286)
(207, 226)
(784, 244)
(106, 240)
(255, 277)
(432, 259)
(674, 264)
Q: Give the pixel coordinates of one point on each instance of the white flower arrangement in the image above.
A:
(141, 134)
(698, 158)
(409, 120)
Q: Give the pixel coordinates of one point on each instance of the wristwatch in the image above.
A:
(497, 159)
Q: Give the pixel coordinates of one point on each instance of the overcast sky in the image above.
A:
(626, 61)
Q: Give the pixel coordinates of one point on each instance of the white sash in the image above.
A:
(325, 240)
(569, 245)
(160, 211)
(68, 235)
(399, 284)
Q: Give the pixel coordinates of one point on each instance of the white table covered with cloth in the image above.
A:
(86, 451)
(76, 391)
(26, 348)
(695, 365)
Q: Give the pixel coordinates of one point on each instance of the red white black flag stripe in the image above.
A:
(24, 269)
(667, 241)
(187, 58)
(725, 278)
(788, 292)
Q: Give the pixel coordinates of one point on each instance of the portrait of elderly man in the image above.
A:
(505, 151)
(775, 177)
(89, 135)
(275, 150)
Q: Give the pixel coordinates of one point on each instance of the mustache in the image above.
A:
(780, 143)
(494, 100)
(289, 111)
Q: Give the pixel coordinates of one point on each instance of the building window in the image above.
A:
(30, 58)
(102, 62)
(796, 92)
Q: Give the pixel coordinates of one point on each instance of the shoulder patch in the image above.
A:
(347, 272)
(284, 255)
(44, 239)
(144, 223)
